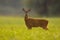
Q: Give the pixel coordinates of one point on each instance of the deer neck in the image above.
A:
(26, 16)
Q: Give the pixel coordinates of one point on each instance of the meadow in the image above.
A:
(14, 28)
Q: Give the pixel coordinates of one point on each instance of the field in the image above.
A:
(14, 28)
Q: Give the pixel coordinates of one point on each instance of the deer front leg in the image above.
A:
(29, 26)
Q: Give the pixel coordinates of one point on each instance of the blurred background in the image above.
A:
(44, 8)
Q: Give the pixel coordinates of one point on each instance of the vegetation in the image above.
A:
(45, 7)
(40, 7)
(13, 28)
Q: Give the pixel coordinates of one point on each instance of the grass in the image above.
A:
(13, 28)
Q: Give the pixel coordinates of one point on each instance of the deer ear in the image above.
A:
(29, 10)
(23, 9)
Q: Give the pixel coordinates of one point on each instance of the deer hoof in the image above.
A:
(46, 28)
(29, 27)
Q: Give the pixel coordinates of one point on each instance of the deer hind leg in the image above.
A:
(44, 26)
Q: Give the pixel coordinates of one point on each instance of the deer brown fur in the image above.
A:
(30, 22)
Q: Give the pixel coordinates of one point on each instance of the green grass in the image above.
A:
(13, 28)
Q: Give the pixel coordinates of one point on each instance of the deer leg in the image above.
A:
(29, 27)
(45, 27)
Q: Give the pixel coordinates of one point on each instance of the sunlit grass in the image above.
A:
(13, 28)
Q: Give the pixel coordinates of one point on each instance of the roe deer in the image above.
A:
(30, 22)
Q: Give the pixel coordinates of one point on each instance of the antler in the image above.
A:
(26, 11)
